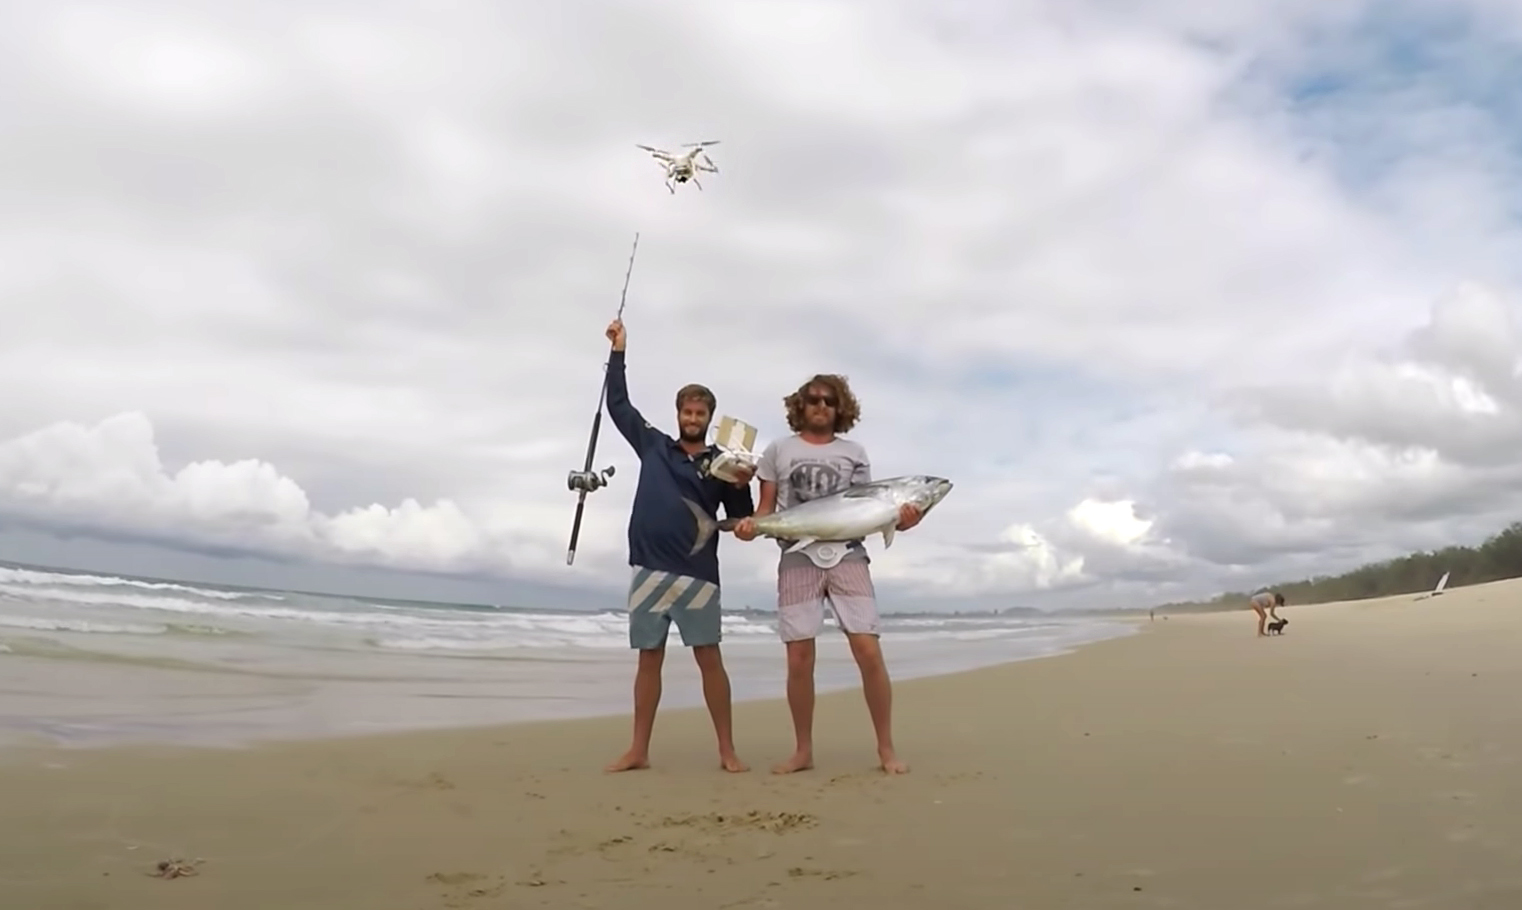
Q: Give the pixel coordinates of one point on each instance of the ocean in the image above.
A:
(94, 660)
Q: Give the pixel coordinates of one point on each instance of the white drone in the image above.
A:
(684, 167)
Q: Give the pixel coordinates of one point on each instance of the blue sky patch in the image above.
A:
(1401, 83)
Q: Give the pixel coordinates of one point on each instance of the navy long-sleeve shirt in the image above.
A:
(661, 528)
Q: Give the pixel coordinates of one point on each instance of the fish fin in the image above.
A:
(706, 526)
(798, 545)
(888, 536)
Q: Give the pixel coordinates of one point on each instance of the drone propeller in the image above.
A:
(705, 142)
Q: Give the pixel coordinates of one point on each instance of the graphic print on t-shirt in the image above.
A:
(814, 479)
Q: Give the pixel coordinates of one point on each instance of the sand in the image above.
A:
(1367, 758)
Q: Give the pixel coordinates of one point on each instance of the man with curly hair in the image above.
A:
(818, 461)
(673, 580)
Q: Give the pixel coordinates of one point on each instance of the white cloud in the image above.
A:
(110, 478)
(1112, 522)
(1380, 453)
(329, 283)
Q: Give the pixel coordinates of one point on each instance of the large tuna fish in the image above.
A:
(851, 514)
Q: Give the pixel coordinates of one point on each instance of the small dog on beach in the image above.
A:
(1277, 626)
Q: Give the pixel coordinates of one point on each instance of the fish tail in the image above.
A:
(706, 526)
(728, 524)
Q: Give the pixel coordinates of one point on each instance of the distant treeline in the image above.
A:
(1498, 557)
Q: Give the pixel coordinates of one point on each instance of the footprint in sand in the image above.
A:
(776, 822)
(700, 837)
(826, 874)
(959, 776)
(433, 781)
(461, 889)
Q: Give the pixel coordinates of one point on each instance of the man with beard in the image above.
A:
(816, 461)
(671, 584)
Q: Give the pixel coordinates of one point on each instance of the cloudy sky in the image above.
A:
(1184, 297)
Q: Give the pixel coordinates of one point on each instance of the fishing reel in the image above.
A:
(588, 481)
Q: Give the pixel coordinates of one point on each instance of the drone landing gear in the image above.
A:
(688, 177)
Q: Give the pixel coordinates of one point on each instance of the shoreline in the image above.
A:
(1365, 759)
(38, 746)
(682, 693)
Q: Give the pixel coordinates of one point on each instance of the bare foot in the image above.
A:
(799, 761)
(732, 764)
(891, 764)
(630, 761)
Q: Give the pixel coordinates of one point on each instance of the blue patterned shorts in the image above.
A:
(657, 599)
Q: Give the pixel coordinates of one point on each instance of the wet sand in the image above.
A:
(1367, 758)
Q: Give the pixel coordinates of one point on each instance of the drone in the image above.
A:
(684, 167)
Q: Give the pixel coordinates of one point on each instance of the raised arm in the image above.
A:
(630, 422)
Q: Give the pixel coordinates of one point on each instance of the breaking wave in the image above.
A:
(42, 601)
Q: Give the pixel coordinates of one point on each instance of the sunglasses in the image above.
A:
(820, 399)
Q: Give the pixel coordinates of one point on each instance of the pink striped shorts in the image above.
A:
(803, 587)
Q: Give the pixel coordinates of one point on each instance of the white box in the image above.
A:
(736, 442)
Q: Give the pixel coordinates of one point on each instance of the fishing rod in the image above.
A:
(587, 480)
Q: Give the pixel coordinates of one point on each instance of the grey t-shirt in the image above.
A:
(805, 470)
